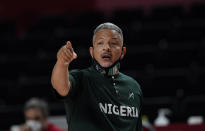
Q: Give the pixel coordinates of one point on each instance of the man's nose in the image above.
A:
(106, 46)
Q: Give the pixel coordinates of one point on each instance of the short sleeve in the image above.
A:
(75, 80)
(75, 77)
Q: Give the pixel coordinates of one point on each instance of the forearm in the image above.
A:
(60, 75)
(60, 78)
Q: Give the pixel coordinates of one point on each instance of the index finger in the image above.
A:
(69, 46)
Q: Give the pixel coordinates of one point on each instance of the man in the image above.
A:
(36, 114)
(99, 98)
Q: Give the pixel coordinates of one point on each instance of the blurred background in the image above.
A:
(165, 51)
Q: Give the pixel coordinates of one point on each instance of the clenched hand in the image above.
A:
(66, 54)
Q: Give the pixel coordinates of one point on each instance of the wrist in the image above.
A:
(62, 63)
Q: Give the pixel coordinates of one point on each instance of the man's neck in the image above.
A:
(109, 71)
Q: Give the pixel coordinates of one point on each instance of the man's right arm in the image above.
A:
(60, 74)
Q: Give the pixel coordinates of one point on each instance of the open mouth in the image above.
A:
(106, 56)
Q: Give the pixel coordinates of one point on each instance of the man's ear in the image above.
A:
(124, 49)
(91, 51)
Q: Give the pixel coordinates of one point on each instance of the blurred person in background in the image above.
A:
(36, 114)
(99, 98)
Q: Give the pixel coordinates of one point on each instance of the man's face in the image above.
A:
(35, 114)
(107, 47)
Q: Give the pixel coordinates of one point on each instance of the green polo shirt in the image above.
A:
(103, 103)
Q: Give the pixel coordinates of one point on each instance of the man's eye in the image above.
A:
(113, 43)
(99, 43)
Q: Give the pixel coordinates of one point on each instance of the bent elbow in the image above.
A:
(61, 88)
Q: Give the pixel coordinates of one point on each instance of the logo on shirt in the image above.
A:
(131, 96)
(119, 110)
